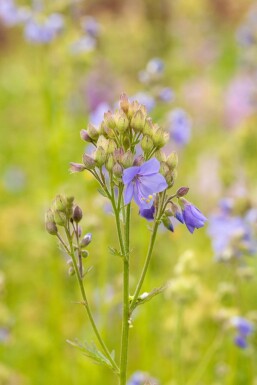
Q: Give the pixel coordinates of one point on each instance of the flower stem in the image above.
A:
(86, 305)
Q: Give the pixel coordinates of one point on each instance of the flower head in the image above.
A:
(142, 182)
(193, 217)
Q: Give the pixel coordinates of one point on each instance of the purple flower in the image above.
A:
(12, 15)
(148, 213)
(180, 126)
(91, 26)
(97, 115)
(155, 66)
(141, 378)
(193, 217)
(166, 94)
(43, 32)
(244, 329)
(145, 99)
(142, 182)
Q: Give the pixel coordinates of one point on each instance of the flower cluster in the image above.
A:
(128, 157)
(233, 230)
(65, 215)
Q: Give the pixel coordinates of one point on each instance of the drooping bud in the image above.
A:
(167, 223)
(88, 161)
(117, 170)
(147, 143)
(122, 122)
(60, 218)
(85, 136)
(182, 191)
(60, 203)
(160, 138)
(127, 159)
(92, 131)
(86, 240)
(100, 156)
(109, 120)
(77, 214)
(109, 163)
(139, 160)
(172, 160)
(176, 212)
(76, 167)
(138, 121)
(124, 103)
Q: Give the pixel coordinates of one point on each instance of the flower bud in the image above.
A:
(109, 120)
(139, 160)
(102, 142)
(127, 159)
(176, 212)
(111, 146)
(148, 127)
(138, 121)
(86, 240)
(88, 161)
(85, 136)
(100, 156)
(60, 218)
(164, 169)
(172, 160)
(147, 144)
(60, 203)
(167, 223)
(124, 103)
(109, 163)
(160, 137)
(133, 107)
(160, 155)
(121, 122)
(118, 154)
(84, 253)
(51, 228)
(77, 214)
(92, 131)
(76, 167)
(182, 191)
(117, 170)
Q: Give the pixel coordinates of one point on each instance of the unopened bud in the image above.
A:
(100, 156)
(88, 161)
(111, 146)
(164, 169)
(160, 137)
(147, 143)
(127, 159)
(148, 127)
(109, 163)
(167, 223)
(86, 240)
(121, 122)
(182, 191)
(60, 218)
(124, 103)
(60, 203)
(172, 160)
(118, 154)
(77, 214)
(92, 131)
(51, 228)
(76, 167)
(85, 136)
(117, 170)
(109, 120)
(160, 155)
(84, 253)
(138, 121)
(133, 107)
(102, 142)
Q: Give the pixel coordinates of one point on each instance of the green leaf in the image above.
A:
(102, 192)
(115, 252)
(145, 297)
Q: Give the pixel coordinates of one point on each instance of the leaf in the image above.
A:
(145, 297)
(93, 353)
(102, 192)
(115, 252)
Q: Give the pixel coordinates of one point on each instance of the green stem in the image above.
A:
(126, 311)
(85, 303)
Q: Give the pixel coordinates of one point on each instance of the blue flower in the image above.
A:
(142, 182)
(43, 32)
(148, 213)
(180, 126)
(244, 330)
(12, 15)
(192, 216)
(141, 378)
(145, 99)
(166, 94)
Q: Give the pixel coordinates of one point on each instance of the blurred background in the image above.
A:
(193, 63)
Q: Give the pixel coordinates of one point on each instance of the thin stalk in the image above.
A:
(126, 311)
(85, 302)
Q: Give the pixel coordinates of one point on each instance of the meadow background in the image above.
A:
(49, 91)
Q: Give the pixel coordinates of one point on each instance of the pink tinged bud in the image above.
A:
(84, 136)
(76, 167)
(77, 214)
(109, 120)
(118, 154)
(86, 240)
(89, 162)
(127, 159)
(117, 170)
(124, 103)
(182, 191)
(172, 160)
(139, 160)
(92, 131)
(51, 227)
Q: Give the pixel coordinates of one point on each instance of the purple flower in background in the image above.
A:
(91, 26)
(83, 45)
(244, 330)
(180, 126)
(145, 99)
(97, 115)
(155, 66)
(141, 378)
(166, 94)
(142, 182)
(43, 32)
(12, 15)
(192, 217)
(148, 213)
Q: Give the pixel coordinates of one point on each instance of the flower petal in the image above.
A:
(128, 193)
(152, 166)
(153, 183)
(129, 174)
